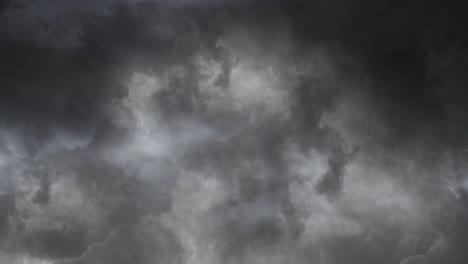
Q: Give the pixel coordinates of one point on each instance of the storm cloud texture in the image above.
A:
(235, 132)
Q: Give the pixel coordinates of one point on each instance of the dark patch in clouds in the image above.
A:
(233, 132)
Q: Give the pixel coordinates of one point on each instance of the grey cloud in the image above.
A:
(211, 132)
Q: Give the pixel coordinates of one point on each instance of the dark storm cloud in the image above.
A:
(4, 4)
(232, 132)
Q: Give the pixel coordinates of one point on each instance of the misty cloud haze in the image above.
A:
(217, 131)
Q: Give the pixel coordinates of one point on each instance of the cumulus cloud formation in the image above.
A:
(205, 132)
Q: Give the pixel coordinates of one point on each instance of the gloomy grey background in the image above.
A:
(237, 132)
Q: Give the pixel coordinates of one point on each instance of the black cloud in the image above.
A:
(233, 132)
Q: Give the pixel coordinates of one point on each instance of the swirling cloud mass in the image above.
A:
(237, 132)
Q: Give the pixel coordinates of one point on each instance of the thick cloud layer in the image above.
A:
(206, 132)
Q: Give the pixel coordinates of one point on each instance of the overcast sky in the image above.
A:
(236, 132)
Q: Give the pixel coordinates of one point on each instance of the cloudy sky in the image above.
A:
(236, 132)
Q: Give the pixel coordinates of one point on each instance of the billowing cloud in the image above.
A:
(205, 132)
